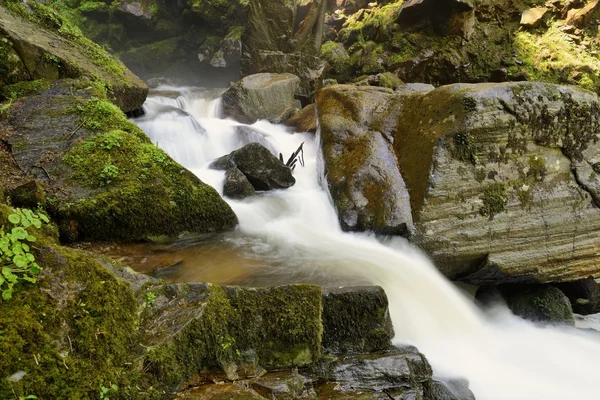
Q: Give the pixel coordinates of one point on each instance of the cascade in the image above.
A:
(502, 356)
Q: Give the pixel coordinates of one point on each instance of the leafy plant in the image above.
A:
(109, 172)
(29, 397)
(105, 391)
(150, 298)
(16, 261)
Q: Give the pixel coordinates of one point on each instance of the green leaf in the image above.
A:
(7, 294)
(114, 387)
(6, 271)
(44, 218)
(19, 233)
(29, 279)
(1, 280)
(30, 257)
(31, 238)
(37, 223)
(14, 218)
(35, 269)
(25, 247)
(20, 261)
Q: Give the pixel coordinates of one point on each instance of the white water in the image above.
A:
(502, 356)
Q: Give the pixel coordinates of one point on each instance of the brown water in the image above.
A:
(227, 259)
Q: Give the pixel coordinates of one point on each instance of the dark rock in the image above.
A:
(304, 120)
(452, 389)
(236, 185)
(261, 96)
(247, 134)
(262, 169)
(356, 320)
(447, 17)
(28, 195)
(48, 54)
(360, 163)
(584, 295)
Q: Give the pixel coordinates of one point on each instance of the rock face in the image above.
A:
(446, 16)
(261, 96)
(452, 389)
(584, 295)
(263, 170)
(501, 176)
(237, 185)
(103, 178)
(360, 163)
(356, 320)
(304, 120)
(29, 51)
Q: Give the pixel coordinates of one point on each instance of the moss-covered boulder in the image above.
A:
(104, 179)
(70, 333)
(261, 96)
(356, 320)
(357, 129)
(38, 43)
(304, 120)
(503, 178)
(200, 327)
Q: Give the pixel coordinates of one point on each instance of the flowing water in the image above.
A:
(293, 235)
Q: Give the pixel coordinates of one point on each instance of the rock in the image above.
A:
(28, 195)
(104, 179)
(584, 295)
(204, 327)
(581, 17)
(304, 120)
(229, 391)
(154, 57)
(262, 169)
(283, 385)
(385, 79)
(532, 17)
(236, 185)
(308, 68)
(496, 193)
(447, 17)
(356, 320)
(452, 389)
(546, 304)
(270, 26)
(338, 59)
(261, 96)
(508, 182)
(403, 373)
(360, 163)
(32, 52)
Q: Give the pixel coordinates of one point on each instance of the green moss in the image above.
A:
(389, 80)
(71, 333)
(546, 304)
(494, 200)
(24, 88)
(338, 59)
(464, 149)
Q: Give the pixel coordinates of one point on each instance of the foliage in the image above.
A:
(16, 260)
(105, 391)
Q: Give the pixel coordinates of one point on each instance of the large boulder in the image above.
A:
(502, 177)
(38, 43)
(363, 176)
(103, 177)
(262, 169)
(356, 320)
(261, 96)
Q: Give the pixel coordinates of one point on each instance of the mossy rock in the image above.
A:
(50, 47)
(71, 332)
(104, 178)
(201, 327)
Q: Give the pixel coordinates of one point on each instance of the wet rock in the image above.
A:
(28, 195)
(403, 372)
(304, 120)
(532, 17)
(104, 179)
(452, 389)
(584, 295)
(48, 54)
(198, 327)
(283, 386)
(262, 169)
(229, 391)
(237, 185)
(261, 96)
(546, 304)
(356, 320)
(362, 172)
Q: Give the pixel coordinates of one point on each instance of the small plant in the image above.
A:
(150, 298)
(105, 391)
(109, 172)
(16, 261)
(110, 140)
(29, 397)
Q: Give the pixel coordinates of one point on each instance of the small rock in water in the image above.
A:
(237, 185)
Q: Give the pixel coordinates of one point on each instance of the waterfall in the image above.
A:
(502, 356)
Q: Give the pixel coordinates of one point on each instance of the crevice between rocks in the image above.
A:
(582, 186)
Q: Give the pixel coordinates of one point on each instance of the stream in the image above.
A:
(293, 236)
